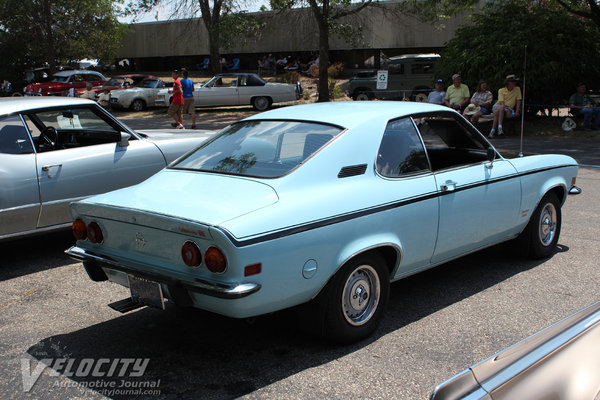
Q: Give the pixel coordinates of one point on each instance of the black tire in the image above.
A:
(540, 237)
(138, 105)
(261, 103)
(363, 96)
(354, 301)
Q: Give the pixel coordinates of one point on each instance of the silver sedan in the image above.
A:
(57, 150)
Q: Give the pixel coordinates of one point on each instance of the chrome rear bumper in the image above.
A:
(197, 285)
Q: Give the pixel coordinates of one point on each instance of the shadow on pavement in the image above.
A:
(201, 355)
(34, 254)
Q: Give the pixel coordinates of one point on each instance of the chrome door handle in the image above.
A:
(449, 186)
(47, 167)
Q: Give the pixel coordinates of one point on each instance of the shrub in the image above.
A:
(335, 69)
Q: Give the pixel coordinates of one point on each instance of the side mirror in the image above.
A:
(491, 156)
(124, 142)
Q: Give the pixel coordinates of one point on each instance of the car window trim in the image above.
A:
(28, 134)
(112, 121)
(466, 125)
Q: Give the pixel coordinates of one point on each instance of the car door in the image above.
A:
(86, 159)
(221, 91)
(408, 187)
(248, 88)
(396, 85)
(19, 194)
(479, 201)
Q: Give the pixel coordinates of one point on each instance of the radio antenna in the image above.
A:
(523, 103)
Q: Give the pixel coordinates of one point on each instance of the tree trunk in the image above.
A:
(323, 61)
(213, 44)
(48, 36)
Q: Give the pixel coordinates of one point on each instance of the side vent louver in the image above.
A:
(352, 170)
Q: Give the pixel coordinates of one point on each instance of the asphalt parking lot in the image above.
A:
(438, 322)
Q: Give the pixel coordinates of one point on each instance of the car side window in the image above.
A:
(449, 142)
(70, 128)
(14, 138)
(94, 78)
(401, 151)
(396, 68)
(421, 68)
(78, 78)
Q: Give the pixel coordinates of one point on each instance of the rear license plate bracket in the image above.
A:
(146, 292)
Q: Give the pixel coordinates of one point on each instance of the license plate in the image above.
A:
(146, 292)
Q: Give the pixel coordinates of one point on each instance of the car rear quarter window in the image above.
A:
(401, 151)
(264, 149)
(14, 138)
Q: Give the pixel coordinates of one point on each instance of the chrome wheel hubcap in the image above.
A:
(261, 103)
(548, 221)
(360, 296)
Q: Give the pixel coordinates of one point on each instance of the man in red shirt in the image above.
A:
(176, 107)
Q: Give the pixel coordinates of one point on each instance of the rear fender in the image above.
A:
(364, 245)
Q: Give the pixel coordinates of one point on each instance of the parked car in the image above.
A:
(235, 89)
(16, 87)
(127, 81)
(57, 150)
(559, 362)
(409, 76)
(139, 97)
(63, 81)
(323, 204)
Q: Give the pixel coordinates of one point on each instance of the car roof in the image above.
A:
(10, 105)
(235, 74)
(414, 56)
(349, 114)
(141, 76)
(77, 71)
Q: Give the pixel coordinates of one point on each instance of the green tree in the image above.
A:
(329, 17)
(332, 17)
(224, 20)
(589, 9)
(561, 50)
(33, 32)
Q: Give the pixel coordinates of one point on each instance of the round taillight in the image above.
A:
(94, 233)
(215, 260)
(191, 255)
(79, 229)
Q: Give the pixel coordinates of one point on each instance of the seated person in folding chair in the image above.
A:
(508, 104)
(582, 105)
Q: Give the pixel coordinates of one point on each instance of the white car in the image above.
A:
(138, 98)
(56, 150)
(238, 89)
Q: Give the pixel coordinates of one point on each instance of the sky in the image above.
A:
(163, 13)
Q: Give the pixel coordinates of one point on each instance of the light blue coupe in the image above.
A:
(323, 204)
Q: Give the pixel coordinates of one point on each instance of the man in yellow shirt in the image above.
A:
(508, 104)
(457, 94)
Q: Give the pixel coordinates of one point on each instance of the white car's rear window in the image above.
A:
(264, 149)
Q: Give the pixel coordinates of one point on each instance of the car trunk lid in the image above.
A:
(205, 198)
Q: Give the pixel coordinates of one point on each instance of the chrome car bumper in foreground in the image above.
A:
(223, 291)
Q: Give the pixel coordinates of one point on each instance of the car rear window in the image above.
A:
(264, 149)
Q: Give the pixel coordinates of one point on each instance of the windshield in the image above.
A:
(264, 149)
